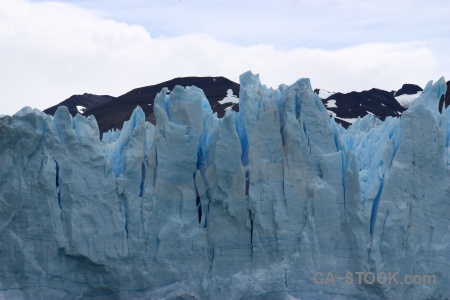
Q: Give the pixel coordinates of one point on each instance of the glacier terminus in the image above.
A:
(264, 203)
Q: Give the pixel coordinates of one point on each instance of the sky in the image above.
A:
(50, 50)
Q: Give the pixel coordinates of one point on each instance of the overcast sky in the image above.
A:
(52, 50)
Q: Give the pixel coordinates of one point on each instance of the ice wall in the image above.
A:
(248, 206)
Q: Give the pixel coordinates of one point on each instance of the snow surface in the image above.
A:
(331, 103)
(349, 120)
(250, 206)
(81, 109)
(323, 94)
(405, 100)
(230, 98)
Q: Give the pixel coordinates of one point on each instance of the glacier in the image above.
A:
(250, 206)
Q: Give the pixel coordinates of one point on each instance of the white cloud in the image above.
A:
(329, 24)
(49, 51)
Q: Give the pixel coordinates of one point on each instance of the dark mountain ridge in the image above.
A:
(112, 112)
(408, 89)
(352, 105)
(88, 101)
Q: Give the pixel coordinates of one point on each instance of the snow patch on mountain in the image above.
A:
(348, 120)
(330, 103)
(323, 94)
(230, 98)
(405, 99)
(81, 109)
